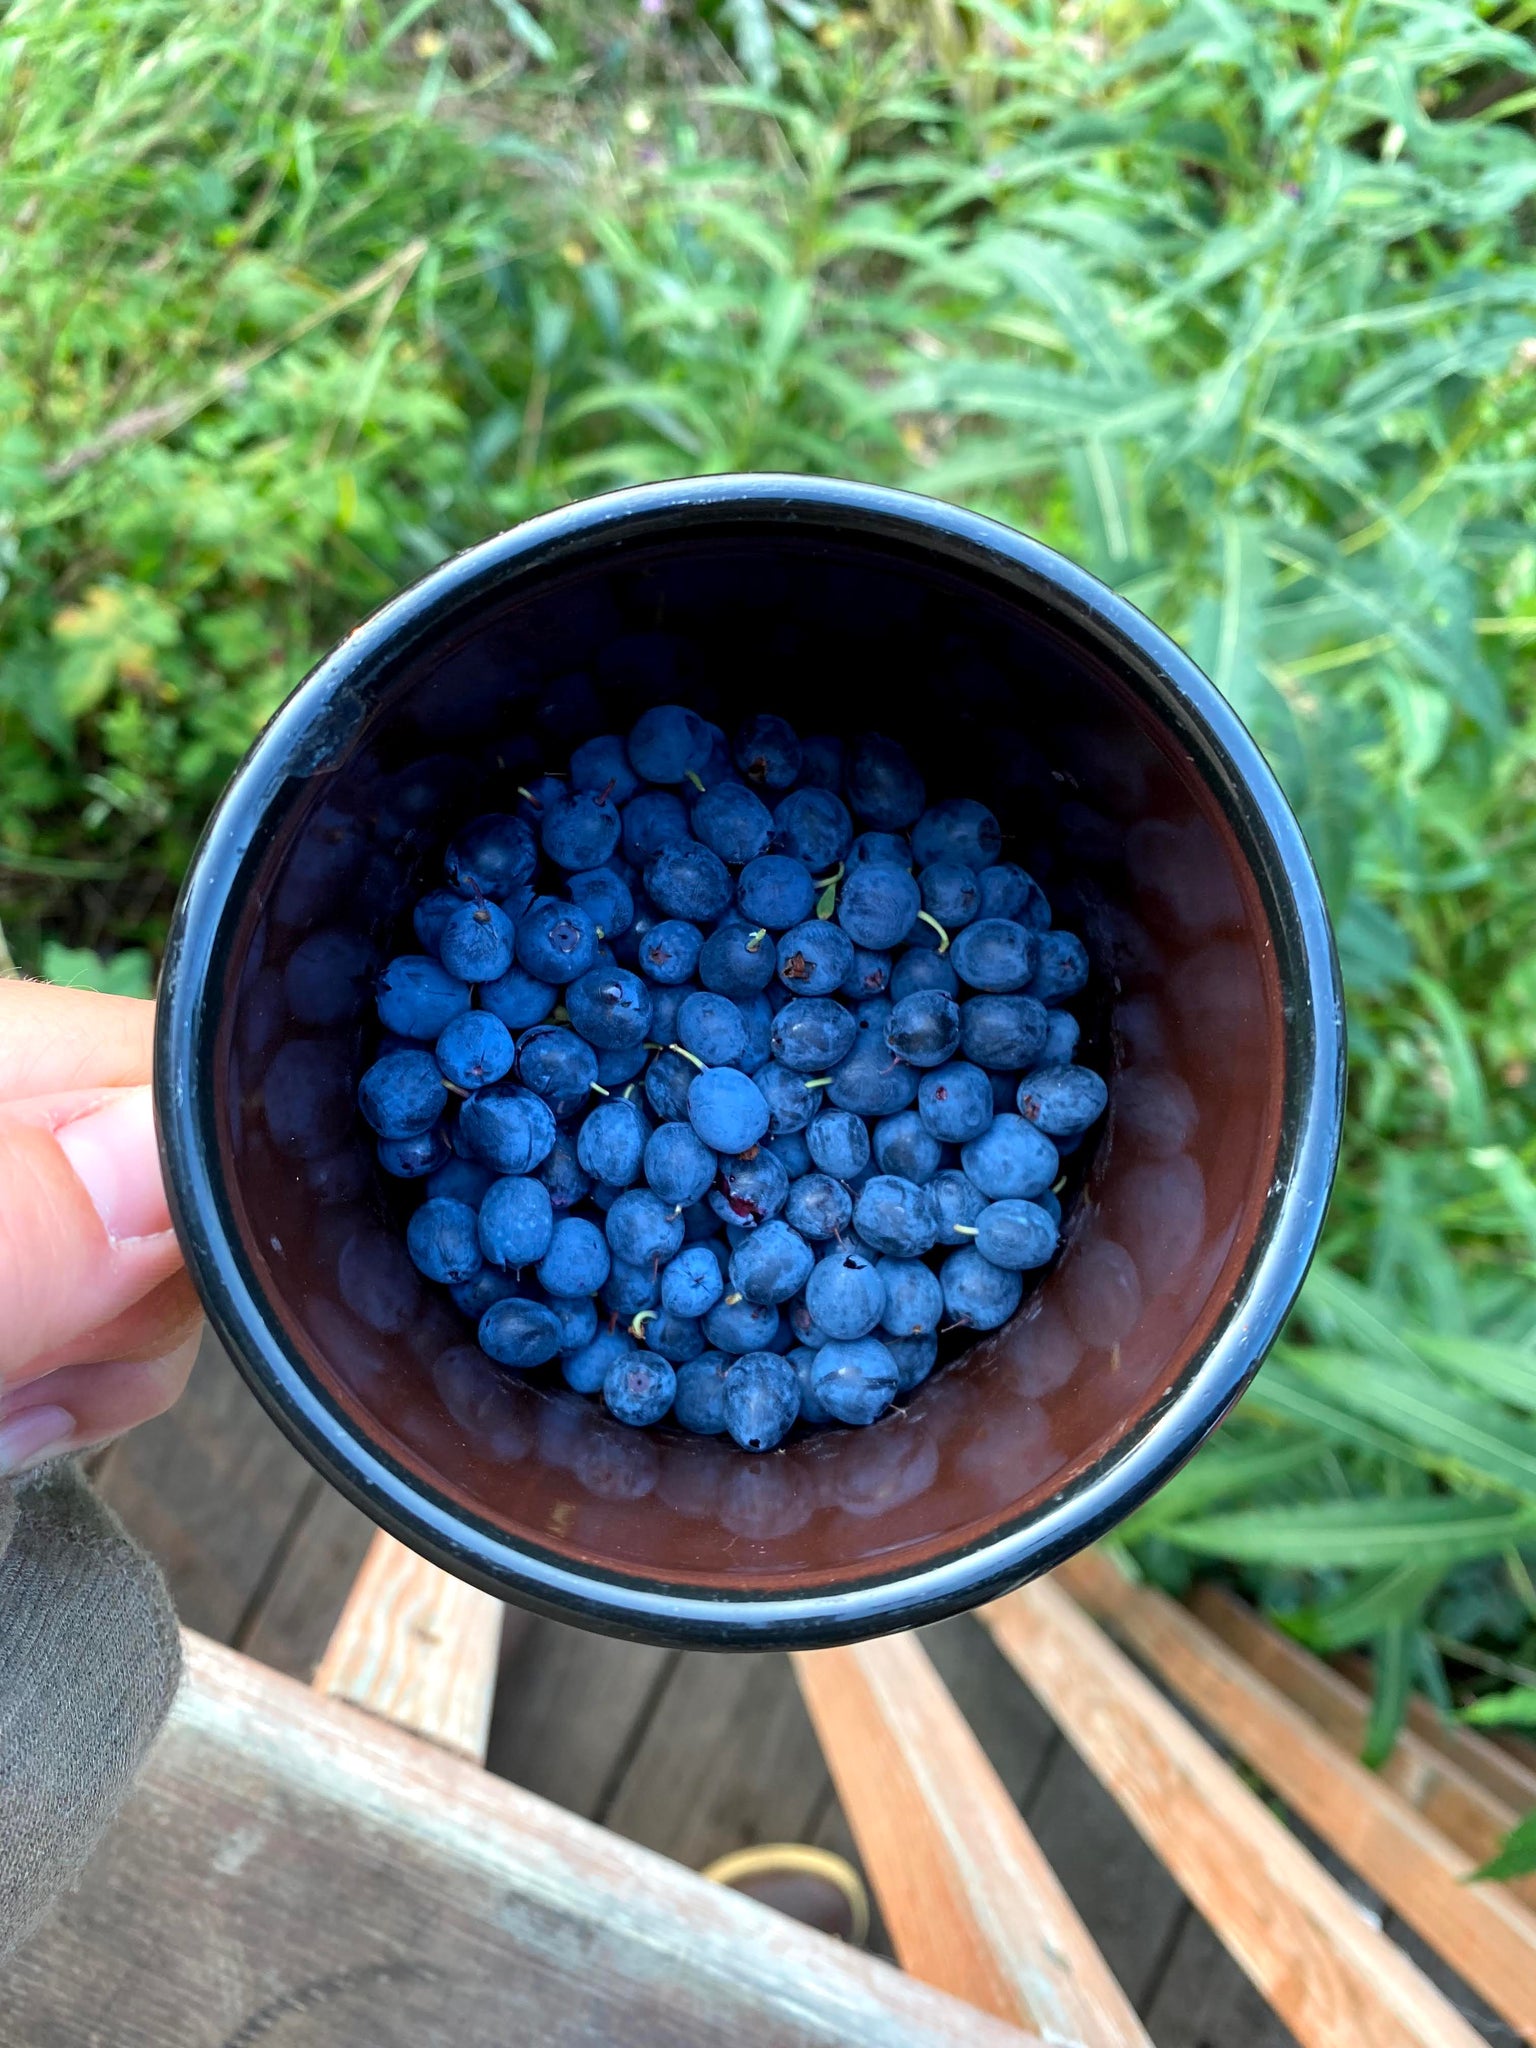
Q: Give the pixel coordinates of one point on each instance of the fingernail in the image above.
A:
(33, 1437)
(113, 1152)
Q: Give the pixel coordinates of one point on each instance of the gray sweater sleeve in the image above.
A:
(89, 1662)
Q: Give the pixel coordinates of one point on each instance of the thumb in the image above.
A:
(85, 1232)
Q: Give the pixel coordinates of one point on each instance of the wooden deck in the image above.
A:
(686, 1753)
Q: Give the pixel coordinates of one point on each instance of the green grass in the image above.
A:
(1231, 300)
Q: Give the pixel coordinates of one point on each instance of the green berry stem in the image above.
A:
(687, 1055)
(924, 918)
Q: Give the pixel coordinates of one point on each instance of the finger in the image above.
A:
(86, 1404)
(84, 1228)
(164, 1319)
(56, 1039)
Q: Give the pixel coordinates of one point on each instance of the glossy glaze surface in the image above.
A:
(1120, 779)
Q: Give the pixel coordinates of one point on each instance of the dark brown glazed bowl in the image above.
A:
(1122, 780)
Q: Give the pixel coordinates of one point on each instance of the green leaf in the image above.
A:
(1370, 1606)
(531, 34)
(1456, 1432)
(1391, 1670)
(1516, 1708)
(129, 973)
(1359, 1533)
(1507, 1370)
(1216, 1473)
(1517, 1858)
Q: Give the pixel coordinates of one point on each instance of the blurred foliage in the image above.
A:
(1231, 299)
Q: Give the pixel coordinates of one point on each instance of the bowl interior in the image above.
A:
(1000, 693)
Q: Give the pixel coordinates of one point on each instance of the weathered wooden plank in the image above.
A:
(209, 1489)
(570, 1709)
(290, 1621)
(298, 1874)
(418, 1647)
(1482, 1929)
(1334, 1979)
(1433, 1780)
(1499, 1769)
(971, 1903)
(728, 1758)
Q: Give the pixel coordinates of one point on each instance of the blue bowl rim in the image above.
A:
(315, 724)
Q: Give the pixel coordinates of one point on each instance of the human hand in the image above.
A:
(99, 1323)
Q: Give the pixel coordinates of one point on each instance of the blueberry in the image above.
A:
(473, 1297)
(442, 1240)
(1002, 1032)
(977, 1292)
(839, 1143)
(1062, 1101)
(959, 830)
(776, 891)
(536, 795)
(618, 1065)
(560, 1172)
(712, 1029)
(641, 1230)
(750, 1189)
(877, 906)
(757, 1013)
(603, 764)
(738, 1326)
(1060, 966)
(639, 1389)
(791, 1101)
(774, 1263)
(668, 1084)
(417, 997)
(606, 898)
(1010, 1158)
(578, 1258)
(460, 1180)
(558, 1066)
(556, 941)
(1050, 1205)
(493, 856)
(737, 958)
(672, 1337)
(924, 1028)
(474, 1049)
(855, 1380)
(760, 1399)
(668, 742)
(477, 942)
(1017, 1235)
(580, 828)
(821, 761)
(896, 1215)
(880, 849)
(520, 1332)
(803, 1361)
(666, 1001)
(516, 1222)
(734, 822)
(691, 1282)
(726, 1110)
(818, 1206)
(869, 974)
(922, 970)
(610, 1007)
(950, 893)
(586, 1369)
(577, 1316)
(958, 1202)
(905, 1147)
(678, 1166)
(788, 1147)
(699, 1403)
(518, 999)
(767, 751)
(814, 958)
(955, 1102)
(611, 1143)
(1006, 891)
(915, 1358)
(669, 951)
(652, 820)
(402, 1094)
(813, 825)
(884, 789)
(812, 1034)
(871, 1081)
(416, 1157)
(432, 913)
(845, 1295)
(630, 1288)
(1061, 1035)
(507, 1127)
(914, 1300)
(689, 882)
(994, 954)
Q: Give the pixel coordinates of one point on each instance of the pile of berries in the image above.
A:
(732, 1075)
